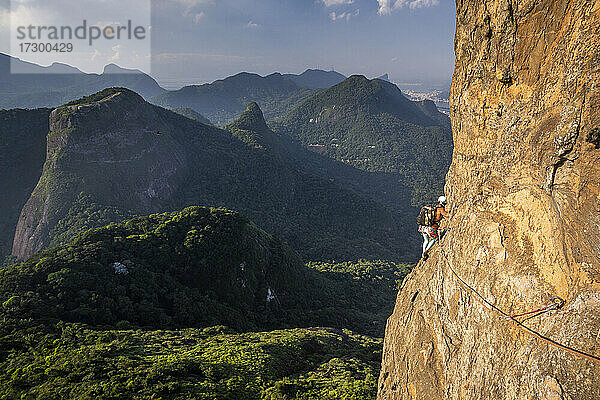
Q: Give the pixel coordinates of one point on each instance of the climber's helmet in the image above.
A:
(442, 200)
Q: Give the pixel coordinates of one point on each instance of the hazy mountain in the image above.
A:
(316, 78)
(22, 155)
(59, 83)
(191, 114)
(112, 155)
(224, 100)
(372, 126)
(384, 77)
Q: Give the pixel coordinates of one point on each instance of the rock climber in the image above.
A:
(429, 223)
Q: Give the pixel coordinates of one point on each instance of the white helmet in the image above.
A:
(442, 200)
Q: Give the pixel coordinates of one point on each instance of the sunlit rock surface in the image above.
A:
(524, 188)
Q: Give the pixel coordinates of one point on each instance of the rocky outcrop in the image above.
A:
(112, 156)
(106, 160)
(525, 191)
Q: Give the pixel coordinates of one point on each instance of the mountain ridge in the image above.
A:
(316, 78)
(148, 159)
(222, 101)
(372, 126)
(60, 83)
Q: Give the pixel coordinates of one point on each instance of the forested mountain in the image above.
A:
(115, 296)
(224, 100)
(22, 155)
(370, 125)
(194, 268)
(112, 156)
(37, 86)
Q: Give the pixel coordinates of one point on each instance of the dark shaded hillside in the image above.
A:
(112, 156)
(22, 154)
(57, 84)
(370, 125)
(191, 114)
(224, 100)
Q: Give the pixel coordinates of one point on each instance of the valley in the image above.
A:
(97, 257)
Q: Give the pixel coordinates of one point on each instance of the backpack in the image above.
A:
(426, 215)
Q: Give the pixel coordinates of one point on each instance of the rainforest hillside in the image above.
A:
(370, 125)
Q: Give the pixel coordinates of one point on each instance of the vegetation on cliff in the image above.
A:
(137, 309)
(195, 268)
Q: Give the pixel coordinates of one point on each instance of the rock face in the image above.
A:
(100, 152)
(112, 156)
(524, 187)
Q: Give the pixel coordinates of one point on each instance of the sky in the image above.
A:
(197, 41)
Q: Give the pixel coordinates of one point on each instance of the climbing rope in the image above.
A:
(556, 303)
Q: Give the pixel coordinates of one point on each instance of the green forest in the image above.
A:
(151, 255)
(183, 305)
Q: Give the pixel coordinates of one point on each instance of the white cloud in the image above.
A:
(251, 24)
(188, 8)
(343, 16)
(199, 17)
(387, 6)
(331, 3)
(420, 3)
(117, 55)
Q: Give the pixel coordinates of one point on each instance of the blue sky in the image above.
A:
(196, 41)
(208, 39)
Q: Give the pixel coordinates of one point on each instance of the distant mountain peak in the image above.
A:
(57, 67)
(117, 93)
(115, 69)
(316, 78)
(252, 119)
(384, 77)
(358, 78)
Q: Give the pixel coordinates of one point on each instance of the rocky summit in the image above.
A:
(524, 189)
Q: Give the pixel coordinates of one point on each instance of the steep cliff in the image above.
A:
(112, 155)
(525, 191)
